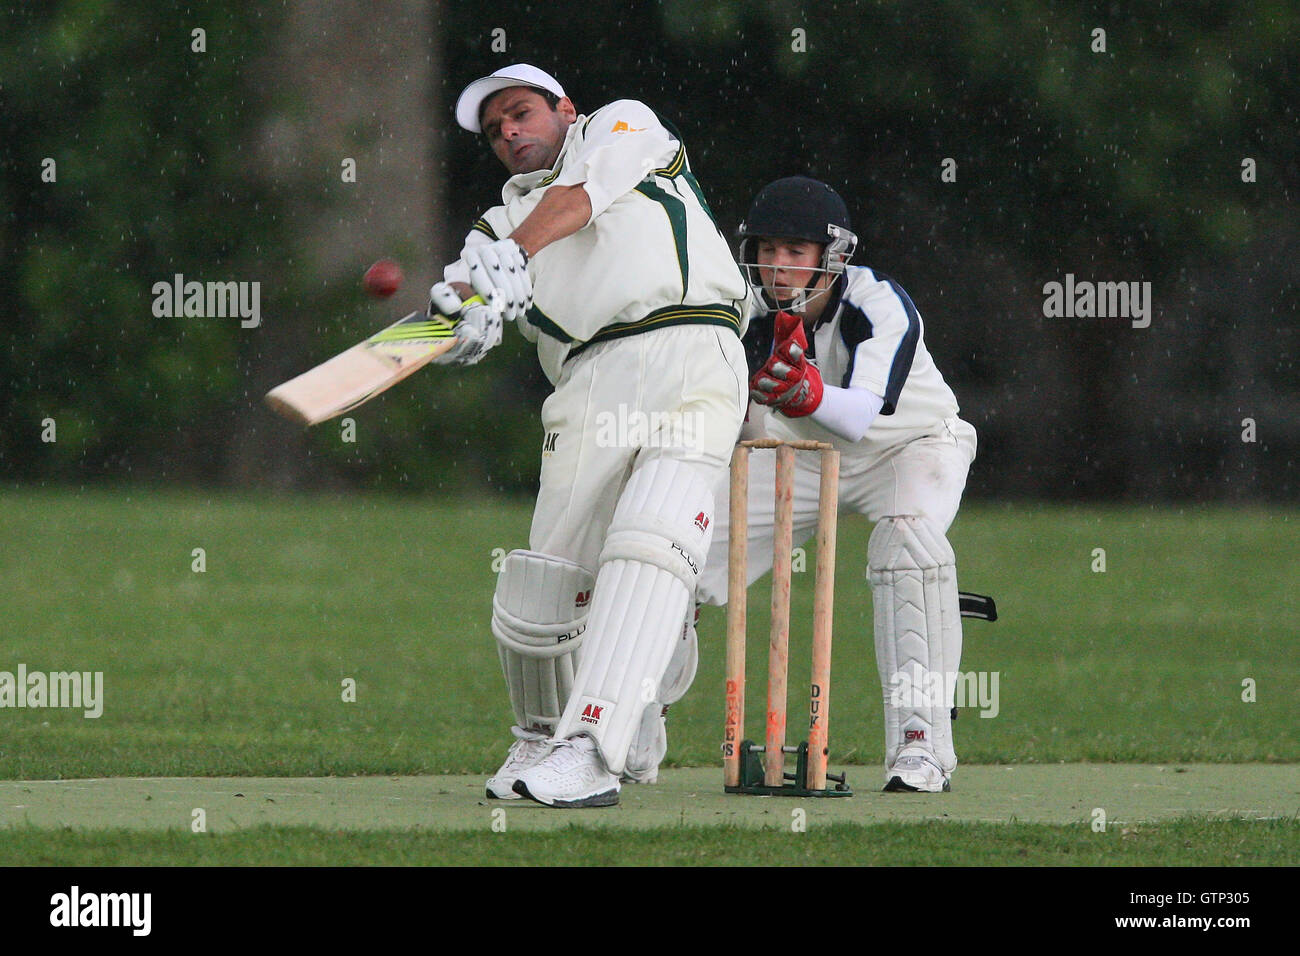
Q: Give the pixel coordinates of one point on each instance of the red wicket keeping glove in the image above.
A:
(788, 382)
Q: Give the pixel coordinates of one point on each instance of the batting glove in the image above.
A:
(498, 271)
(788, 382)
(477, 326)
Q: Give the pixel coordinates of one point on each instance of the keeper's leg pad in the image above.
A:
(539, 613)
(645, 584)
(682, 665)
(913, 576)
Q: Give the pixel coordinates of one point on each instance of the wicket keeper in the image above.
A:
(837, 354)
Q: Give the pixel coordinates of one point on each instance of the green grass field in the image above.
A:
(1192, 842)
(239, 670)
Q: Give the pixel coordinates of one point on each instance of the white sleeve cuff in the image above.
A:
(847, 412)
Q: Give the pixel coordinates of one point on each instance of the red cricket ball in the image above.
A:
(382, 279)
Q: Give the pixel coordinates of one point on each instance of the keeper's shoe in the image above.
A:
(641, 775)
(916, 771)
(571, 775)
(529, 747)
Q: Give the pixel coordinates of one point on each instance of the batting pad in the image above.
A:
(913, 574)
(539, 613)
(645, 586)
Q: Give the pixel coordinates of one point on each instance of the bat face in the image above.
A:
(354, 377)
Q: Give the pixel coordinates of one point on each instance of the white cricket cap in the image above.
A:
(517, 74)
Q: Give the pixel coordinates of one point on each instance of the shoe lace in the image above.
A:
(528, 743)
(571, 752)
(919, 760)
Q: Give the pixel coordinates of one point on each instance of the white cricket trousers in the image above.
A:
(676, 392)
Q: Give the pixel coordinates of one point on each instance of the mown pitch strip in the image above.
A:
(1051, 793)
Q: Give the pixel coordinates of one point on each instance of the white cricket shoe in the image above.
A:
(648, 747)
(571, 775)
(914, 771)
(529, 747)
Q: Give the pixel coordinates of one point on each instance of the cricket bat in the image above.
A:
(354, 377)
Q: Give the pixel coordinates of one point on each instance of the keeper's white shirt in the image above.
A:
(914, 457)
(874, 339)
(649, 256)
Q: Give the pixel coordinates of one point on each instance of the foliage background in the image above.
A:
(224, 165)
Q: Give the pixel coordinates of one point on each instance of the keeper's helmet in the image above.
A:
(798, 208)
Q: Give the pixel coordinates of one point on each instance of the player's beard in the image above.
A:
(540, 154)
(529, 161)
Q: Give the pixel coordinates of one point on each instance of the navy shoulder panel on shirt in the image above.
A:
(856, 327)
(902, 363)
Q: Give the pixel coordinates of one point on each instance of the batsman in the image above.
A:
(604, 253)
(837, 355)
